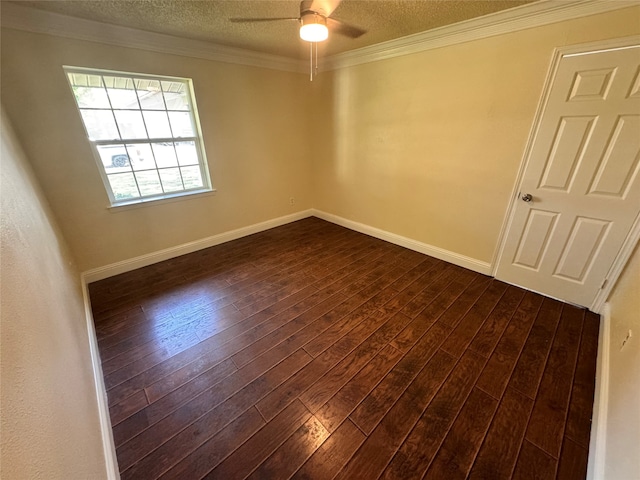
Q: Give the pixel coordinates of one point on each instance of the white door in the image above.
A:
(580, 191)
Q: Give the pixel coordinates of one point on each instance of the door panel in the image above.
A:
(585, 240)
(571, 139)
(535, 238)
(619, 165)
(582, 175)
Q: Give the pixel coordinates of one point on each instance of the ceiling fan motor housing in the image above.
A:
(313, 26)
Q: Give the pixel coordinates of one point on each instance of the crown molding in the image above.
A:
(39, 21)
(520, 18)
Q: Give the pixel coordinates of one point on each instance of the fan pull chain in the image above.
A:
(313, 69)
(311, 61)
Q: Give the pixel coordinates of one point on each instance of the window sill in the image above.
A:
(119, 207)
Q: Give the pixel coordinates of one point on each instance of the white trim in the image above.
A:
(117, 268)
(598, 441)
(634, 234)
(437, 252)
(519, 18)
(180, 196)
(499, 23)
(618, 265)
(39, 21)
(108, 445)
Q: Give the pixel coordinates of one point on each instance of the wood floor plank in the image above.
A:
(441, 298)
(260, 446)
(288, 391)
(169, 440)
(534, 464)
(331, 382)
(470, 324)
(333, 454)
(128, 407)
(549, 416)
(573, 461)
(493, 327)
(293, 453)
(161, 407)
(465, 301)
(355, 294)
(372, 457)
(313, 351)
(341, 326)
(217, 448)
(458, 451)
(528, 372)
(382, 398)
(409, 292)
(207, 364)
(418, 303)
(335, 410)
(421, 445)
(581, 404)
(499, 452)
(220, 345)
(496, 375)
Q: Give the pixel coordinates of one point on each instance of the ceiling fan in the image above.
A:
(315, 21)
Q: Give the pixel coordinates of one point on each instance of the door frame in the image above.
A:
(634, 235)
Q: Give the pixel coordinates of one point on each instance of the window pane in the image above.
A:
(157, 124)
(149, 182)
(130, 124)
(100, 124)
(141, 156)
(150, 94)
(121, 93)
(144, 130)
(165, 155)
(114, 158)
(175, 95)
(187, 153)
(84, 80)
(123, 186)
(192, 177)
(181, 124)
(91, 97)
(171, 180)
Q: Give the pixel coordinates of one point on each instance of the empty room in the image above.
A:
(323, 239)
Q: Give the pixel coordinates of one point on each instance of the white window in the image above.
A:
(144, 131)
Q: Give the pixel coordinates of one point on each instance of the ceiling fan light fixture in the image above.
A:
(313, 28)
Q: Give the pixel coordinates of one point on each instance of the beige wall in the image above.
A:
(254, 124)
(623, 416)
(49, 417)
(428, 145)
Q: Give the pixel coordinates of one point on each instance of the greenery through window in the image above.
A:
(144, 131)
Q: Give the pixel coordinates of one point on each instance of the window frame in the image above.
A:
(197, 140)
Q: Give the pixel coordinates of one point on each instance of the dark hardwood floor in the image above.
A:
(310, 351)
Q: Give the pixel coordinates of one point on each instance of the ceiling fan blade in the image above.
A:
(250, 20)
(325, 7)
(337, 26)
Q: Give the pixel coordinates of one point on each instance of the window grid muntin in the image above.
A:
(191, 109)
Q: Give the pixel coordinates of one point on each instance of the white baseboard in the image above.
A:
(108, 445)
(117, 268)
(437, 252)
(598, 441)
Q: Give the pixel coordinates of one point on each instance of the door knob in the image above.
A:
(527, 197)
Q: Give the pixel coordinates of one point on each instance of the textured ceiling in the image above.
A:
(209, 19)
